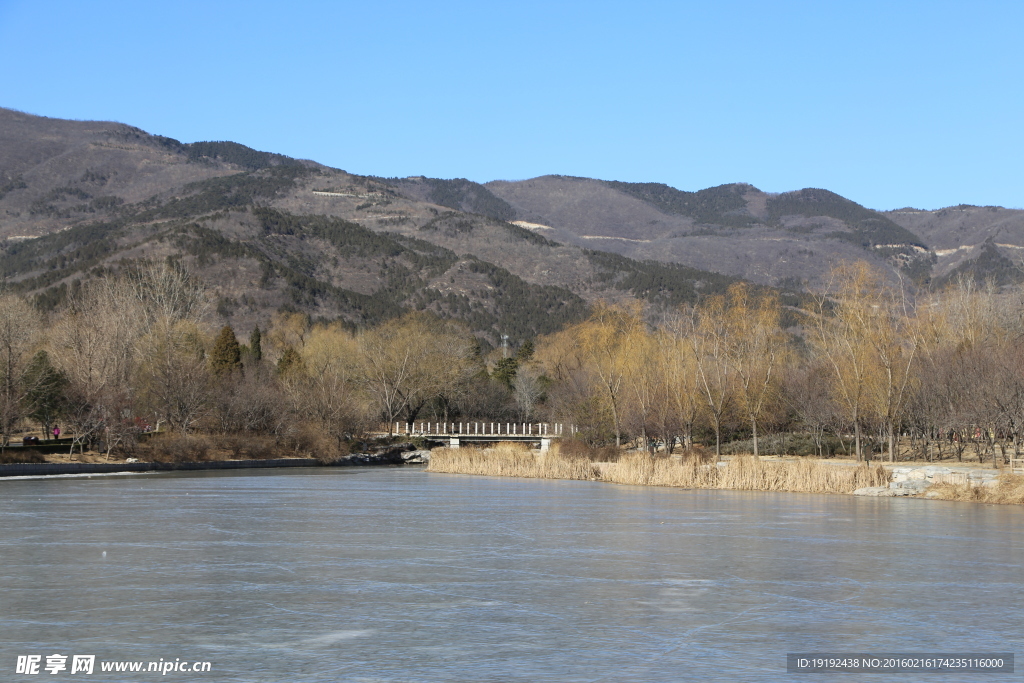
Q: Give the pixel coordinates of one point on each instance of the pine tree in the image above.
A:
(226, 356)
(290, 362)
(525, 352)
(255, 344)
(505, 371)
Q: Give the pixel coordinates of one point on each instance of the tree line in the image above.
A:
(130, 353)
(865, 369)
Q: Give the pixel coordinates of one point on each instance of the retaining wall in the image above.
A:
(36, 469)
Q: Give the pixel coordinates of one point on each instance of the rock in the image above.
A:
(416, 457)
(872, 491)
(883, 491)
(911, 485)
(913, 481)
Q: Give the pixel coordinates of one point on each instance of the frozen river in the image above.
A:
(380, 574)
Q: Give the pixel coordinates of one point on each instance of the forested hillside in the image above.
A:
(268, 233)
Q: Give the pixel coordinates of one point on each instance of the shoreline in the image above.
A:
(52, 468)
(739, 473)
(86, 468)
(745, 473)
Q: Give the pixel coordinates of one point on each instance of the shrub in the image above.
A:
(311, 442)
(261, 448)
(698, 454)
(249, 446)
(173, 447)
(11, 456)
(573, 448)
(787, 444)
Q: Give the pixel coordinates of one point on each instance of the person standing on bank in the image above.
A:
(56, 433)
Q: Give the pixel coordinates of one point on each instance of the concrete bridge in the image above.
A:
(457, 433)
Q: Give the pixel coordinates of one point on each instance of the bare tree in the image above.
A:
(166, 293)
(756, 347)
(19, 332)
(682, 375)
(526, 391)
(715, 371)
(413, 360)
(120, 329)
(327, 393)
(842, 338)
(95, 344)
(173, 373)
(605, 341)
(575, 393)
(806, 392)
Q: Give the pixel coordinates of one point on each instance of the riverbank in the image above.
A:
(97, 466)
(744, 473)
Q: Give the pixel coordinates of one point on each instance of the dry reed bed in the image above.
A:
(742, 473)
(1009, 491)
(510, 460)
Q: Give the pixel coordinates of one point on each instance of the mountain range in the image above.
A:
(270, 233)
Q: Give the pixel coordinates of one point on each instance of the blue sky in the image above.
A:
(891, 104)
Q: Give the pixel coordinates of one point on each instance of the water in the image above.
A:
(348, 574)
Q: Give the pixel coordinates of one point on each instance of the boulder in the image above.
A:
(416, 457)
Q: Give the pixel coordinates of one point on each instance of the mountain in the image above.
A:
(268, 233)
(986, 242)
(734, 229)
(792, 238)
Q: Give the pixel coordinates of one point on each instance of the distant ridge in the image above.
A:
(270, 233)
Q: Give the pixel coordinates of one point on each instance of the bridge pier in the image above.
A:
(453, 442)
(545, 444)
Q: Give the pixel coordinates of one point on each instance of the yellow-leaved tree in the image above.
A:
(756, 349)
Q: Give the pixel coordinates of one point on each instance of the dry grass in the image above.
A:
(510, 460)
(742, 473)
(20, 455)
(1009, 491)
(746, 474)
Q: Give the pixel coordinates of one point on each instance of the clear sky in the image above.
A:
(891, 103)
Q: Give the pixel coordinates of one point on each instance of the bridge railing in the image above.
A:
(485, 429)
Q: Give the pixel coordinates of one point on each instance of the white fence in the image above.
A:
(469, 429)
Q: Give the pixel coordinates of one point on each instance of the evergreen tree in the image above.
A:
(525, 351)
(226, 356)
(505, 371)
(255, 344)
(289, 362)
